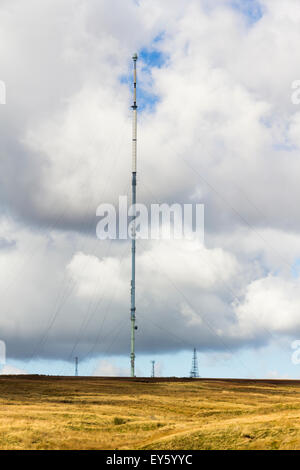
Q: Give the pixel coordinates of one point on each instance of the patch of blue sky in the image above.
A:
(285, 146)
(147, 101)
(152, 57)
(296, 268)
(250, 8)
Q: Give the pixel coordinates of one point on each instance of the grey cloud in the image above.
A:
(7, 244)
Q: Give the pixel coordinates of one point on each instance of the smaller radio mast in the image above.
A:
(153, 369)
(194, 370)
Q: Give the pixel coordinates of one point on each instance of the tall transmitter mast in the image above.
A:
(134, 157)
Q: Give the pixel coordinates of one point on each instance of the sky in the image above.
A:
(216, 126)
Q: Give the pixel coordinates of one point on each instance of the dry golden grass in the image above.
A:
(104, 413)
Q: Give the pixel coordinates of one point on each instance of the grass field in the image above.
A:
(106, 413)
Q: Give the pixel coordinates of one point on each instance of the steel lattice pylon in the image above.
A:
(194, 370)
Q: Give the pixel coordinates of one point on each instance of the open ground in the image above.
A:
(38, 412)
